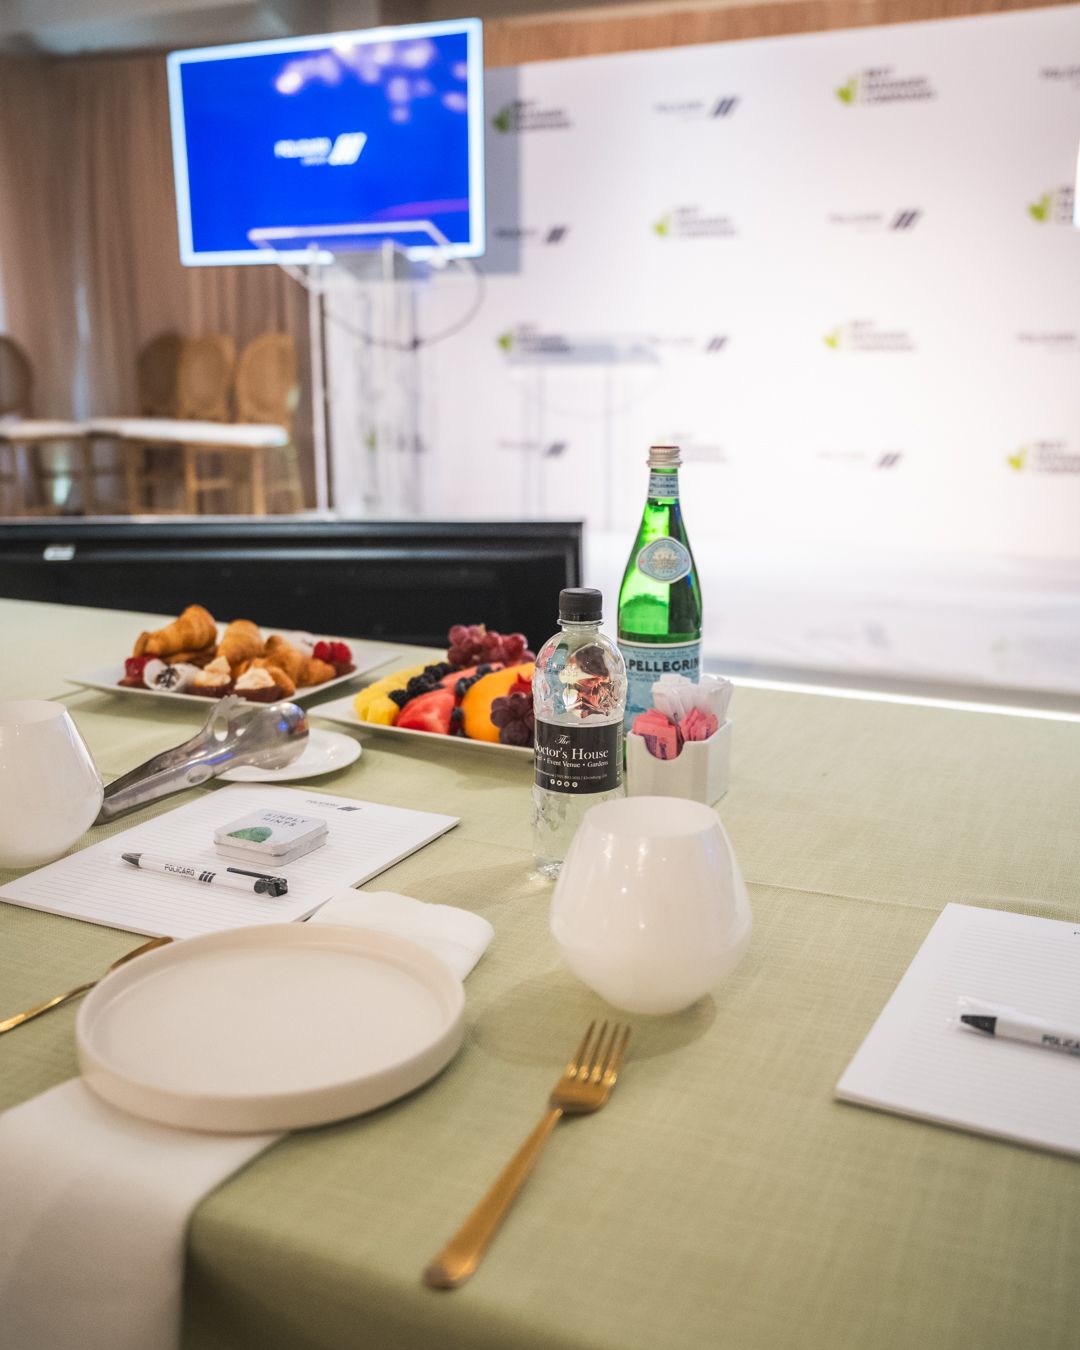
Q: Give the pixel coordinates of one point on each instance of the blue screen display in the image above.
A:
(375, 129)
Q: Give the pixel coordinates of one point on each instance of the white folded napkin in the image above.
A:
(95, 1203)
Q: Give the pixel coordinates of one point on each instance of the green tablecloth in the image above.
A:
(723, 1200)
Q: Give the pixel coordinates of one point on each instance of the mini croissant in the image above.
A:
(240, 642)
(302, 668)
(281, 677)
(192, 631)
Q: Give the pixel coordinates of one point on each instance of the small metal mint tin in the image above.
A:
(276, 837)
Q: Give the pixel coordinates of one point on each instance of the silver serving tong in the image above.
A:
(269, 735)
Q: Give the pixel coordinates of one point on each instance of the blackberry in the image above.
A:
(400, 696)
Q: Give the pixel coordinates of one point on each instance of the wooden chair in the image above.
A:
(267, 391)
(203, 386)
(16, 387)
(157, 373)
(154, 473)
(11, 494)
(16, 379)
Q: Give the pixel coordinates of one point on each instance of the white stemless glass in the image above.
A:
(50, 790)
(650, 909)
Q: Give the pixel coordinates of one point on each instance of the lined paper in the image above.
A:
(917, 1061)
(96, 885)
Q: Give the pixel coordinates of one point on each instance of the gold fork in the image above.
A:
(10, 1023)
(584, 1087)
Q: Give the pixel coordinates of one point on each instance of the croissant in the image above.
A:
(281, 677)
(192, 631)
(304, 669)
(240, 642)
(281, 651)
(200, 657)
(316, 671)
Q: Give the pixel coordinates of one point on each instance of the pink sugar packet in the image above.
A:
(662, 737)
(698, 725)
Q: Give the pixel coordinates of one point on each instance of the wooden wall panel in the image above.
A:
(593, 32)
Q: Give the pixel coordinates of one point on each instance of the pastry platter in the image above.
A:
(367, 656)
(198, 659)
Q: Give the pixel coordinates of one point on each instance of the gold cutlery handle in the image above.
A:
(461, 1255)
(11, 1022)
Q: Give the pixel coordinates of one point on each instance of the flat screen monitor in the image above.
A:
(336, 142)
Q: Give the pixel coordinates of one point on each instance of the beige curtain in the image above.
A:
(89, 258)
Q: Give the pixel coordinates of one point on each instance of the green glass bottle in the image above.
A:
(660, 598)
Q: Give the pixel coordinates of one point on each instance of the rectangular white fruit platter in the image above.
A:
(342, 710)
(367, 656)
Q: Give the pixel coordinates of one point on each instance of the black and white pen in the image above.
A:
(236, 878)
(1012, 1025)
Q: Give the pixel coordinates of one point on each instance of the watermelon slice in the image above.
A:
(428, 712)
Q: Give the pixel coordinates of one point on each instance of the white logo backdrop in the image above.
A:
(838, 269)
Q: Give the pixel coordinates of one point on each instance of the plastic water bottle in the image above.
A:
(579, 699)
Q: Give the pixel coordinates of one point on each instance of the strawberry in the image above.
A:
(428, 712)
(335, 653)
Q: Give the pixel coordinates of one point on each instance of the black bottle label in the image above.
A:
(578, 759)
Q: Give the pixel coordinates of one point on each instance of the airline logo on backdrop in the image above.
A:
(514, 234)
(881, 84)
(694, 108)
(864, 335)
(545, 450)
(1054, 207)
(904, 219)
(1045, 457)
(691, 222)
(1060, 340)
(1062, 75)
(341, 150)
(526, 114)
(867, 459)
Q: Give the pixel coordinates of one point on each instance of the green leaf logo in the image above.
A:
(1018, 460)
(832, 339)
(1040, 210)
(505, 341)
(663, 226)
(846, 92)
(504, 119)
(257, 834)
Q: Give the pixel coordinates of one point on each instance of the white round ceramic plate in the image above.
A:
(325, 751)
(273, 1027)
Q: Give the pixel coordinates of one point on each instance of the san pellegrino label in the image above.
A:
(647, 661)
(660, 597)
(578, 759)
(665, 560)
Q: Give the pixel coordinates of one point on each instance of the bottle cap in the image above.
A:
(664, 456)
(580, 604)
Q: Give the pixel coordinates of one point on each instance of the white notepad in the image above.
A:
(918, 1062)
(95, 884)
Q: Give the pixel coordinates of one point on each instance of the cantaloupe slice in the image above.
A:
(476, 705)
